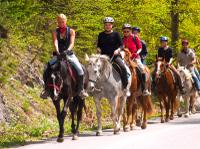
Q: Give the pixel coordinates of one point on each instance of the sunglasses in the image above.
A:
(126, 31)
(184, 43)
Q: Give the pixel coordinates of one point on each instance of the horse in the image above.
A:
(136, 101)
(61, 86)
(105, 82)
(191, 92)
(166, 89)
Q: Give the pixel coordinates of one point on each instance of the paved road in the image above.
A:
(181, 133)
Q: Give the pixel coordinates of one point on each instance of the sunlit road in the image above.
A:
(181, 133)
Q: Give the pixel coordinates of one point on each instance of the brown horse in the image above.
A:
(136, 101)
(166, 89)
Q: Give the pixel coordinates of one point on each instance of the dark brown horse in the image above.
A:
(61, 86)
(166, 90)
(136, 101)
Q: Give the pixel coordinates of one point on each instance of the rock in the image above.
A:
(4, 114)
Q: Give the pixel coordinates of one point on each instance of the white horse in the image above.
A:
(191, 94)
(105, 82)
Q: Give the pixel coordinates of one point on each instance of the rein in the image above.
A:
(57, 87)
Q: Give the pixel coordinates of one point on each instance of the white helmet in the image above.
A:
(108, 20)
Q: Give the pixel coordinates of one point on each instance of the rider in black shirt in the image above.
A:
(110, 44)
(165, 53)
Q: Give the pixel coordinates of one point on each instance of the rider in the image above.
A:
(135, 48)
(187, 58)
(144, 52)
(110, 43)
(165, 53)
(63, 40)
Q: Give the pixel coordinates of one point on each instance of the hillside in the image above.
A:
(26, 46)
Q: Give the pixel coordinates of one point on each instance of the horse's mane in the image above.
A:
(128, 54)
(186, 72)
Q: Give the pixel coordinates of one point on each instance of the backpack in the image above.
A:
(144, 51)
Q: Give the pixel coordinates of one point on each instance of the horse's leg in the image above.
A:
(113, 105)
(192, 101)
(133, 115)
(129, 104)
(98, 113)
(121, 110)
(161, 100)
(61, 131)
(167, 107)
(79, 114)
(144, 121)
(173, 102)
(73, 109)
(187, 105)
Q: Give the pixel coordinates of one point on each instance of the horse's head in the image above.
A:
(160, 67)
(54, 80)
(127, 55)
(95, 68)
(184, 73)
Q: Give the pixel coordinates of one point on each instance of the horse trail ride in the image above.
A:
(102, 80)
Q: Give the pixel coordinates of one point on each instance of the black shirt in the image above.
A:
(165, 54)
(63, 43)
(108, 43)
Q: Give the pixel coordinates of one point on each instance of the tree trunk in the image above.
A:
(174, 23)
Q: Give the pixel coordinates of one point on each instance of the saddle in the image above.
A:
(53, 63)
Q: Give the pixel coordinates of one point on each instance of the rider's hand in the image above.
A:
(189, 65)
(98, 50)
(116, 52)
(167, 65)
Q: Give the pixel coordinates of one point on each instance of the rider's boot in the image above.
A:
(145, 91)
(44, 94)
(81, 91)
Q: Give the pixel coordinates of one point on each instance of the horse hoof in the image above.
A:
(179, 115)
(138, 123)
(171, 118)
(98, 133)
(144, 126)
(60, 140)
(162, 121)
(116, 132)
(75, 137)
(126, 129)
(167, 120)
(186, 115)
(132, 126)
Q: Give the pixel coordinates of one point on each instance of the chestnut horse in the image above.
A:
(166, 89)
(136, 100)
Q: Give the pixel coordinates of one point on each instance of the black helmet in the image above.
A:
(108, 20)
(135, 28)
(126, 26)
(163, 38)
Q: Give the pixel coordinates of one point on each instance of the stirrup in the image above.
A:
(146, 93)
(44, 94)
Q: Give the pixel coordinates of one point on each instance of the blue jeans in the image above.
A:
(196, 77)
(76, 64)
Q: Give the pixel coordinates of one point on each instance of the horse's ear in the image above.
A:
(87, 58)
(164, 60)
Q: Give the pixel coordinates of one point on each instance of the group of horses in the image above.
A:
(102, 80)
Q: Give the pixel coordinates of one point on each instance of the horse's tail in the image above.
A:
(147, 104)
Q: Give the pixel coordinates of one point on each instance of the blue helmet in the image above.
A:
(163, 38)
(135, 28)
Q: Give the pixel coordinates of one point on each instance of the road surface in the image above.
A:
(181, 133)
